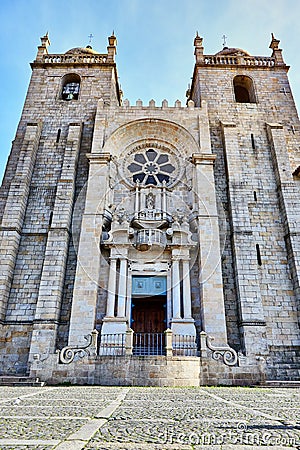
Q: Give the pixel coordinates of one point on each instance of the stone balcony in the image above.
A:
(148, 238)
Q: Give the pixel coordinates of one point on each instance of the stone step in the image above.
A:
(13, 380)
(292, 361)
(281, 383)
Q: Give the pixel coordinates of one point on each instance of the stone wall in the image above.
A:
(146, 371)
(121, 371)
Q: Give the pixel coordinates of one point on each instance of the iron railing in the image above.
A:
(145, 344)
(149, 344)
(184, 345)
(112, 344)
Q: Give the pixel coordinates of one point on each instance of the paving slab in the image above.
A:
(137, 418)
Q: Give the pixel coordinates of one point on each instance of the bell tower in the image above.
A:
(47, 169)
(254, 130)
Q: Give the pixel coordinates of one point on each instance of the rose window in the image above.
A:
(151, 167)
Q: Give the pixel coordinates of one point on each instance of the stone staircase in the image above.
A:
(283, 364)
(281, 384)
(14, 380)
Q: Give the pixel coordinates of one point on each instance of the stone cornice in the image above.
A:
(17, 229)
(203, 158)
(274, 126)
(252, 323)
(98, 158)
(228, 124)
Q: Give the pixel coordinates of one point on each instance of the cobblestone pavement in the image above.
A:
(136, 418)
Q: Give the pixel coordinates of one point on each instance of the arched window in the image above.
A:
(243, 89)
(70, 87)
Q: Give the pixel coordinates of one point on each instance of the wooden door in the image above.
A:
(148, 314)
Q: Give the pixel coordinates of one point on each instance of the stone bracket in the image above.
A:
(226, 353)
(67, 354)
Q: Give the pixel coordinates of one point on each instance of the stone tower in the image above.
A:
(133, 235)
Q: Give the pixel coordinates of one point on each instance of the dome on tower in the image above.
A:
(82, 50)
(232, 52)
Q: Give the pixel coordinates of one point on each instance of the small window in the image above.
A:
(258, 255)
(243, 89)
(50, 218)
(70, 87)
(58, 135)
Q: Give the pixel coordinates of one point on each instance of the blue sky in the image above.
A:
(155, 42)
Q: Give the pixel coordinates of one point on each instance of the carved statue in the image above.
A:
(150, 201)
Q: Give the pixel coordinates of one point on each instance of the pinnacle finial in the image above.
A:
(45, 40)
(198, 48)
(274, 42)
(276, 51)
(198, 40)
(43, 48)
(111, 49)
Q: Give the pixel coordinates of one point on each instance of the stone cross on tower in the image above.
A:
(90, 39)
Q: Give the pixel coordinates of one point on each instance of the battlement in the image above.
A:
(152, 105)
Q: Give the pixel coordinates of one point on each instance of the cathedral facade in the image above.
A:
(153, 245)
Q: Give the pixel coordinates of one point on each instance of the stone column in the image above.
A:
(164, 200)
(111, 294)
(52, 278)
(111, 324)
(122, 288)
(186, 287)
(14, 212)
(211, 282)
(181, 325)
(86, 286)
(142, 199)
(137, 200)
(252, 321)
(176, 289)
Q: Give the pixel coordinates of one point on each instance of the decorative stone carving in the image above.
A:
(150, 201)
(67, 354)
(226, 353)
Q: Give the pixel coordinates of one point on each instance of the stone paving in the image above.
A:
(137, 418)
